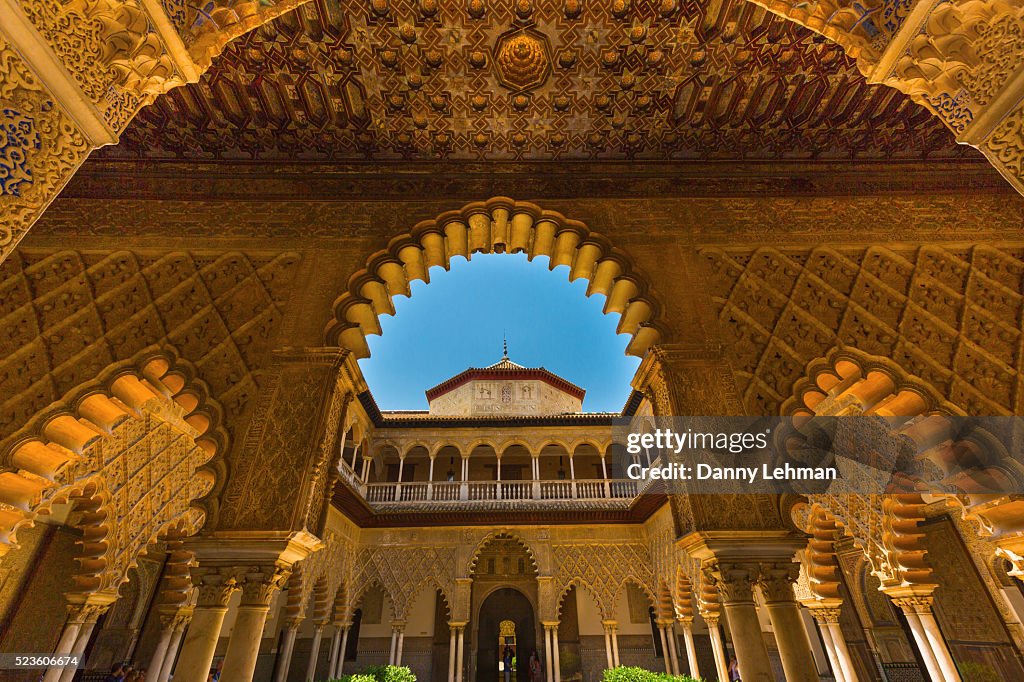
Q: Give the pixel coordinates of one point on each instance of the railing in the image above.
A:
(486, 491)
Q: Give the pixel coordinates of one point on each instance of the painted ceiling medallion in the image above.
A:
(523, 59)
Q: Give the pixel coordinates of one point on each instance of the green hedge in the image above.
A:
(380, 673)
(628, 674)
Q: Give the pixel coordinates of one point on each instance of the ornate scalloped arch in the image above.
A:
(579, 584)
(649, 592)
(503, 533)
(499, 225)
(885, 527)
(147, 418)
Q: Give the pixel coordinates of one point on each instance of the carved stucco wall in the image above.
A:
(641, 75)
(40, 147)
(950, 315)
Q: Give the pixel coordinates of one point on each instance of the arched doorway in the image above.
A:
(506, 616)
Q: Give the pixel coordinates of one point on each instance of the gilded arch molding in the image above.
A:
(129, 455)
(498, 225)
(885, 527)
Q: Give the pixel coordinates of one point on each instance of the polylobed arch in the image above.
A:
(652, 597)
(320, 602)
(665, 607)
(499, 225)
(502, 534)
(580, 585)
(68, 455)
(683, 595)
(432, 586)
(368, 587)
(886, 527)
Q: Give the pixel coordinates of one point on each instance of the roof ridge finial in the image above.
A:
(504, 343)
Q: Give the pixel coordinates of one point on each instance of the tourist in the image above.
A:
(734, 671)
(535, 674)
(506, 661)
(116, 673)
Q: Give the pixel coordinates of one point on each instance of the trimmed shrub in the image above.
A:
(632, 674)
(356, 678)
(380, 673)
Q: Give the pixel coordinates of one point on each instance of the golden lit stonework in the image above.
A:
(523, 59)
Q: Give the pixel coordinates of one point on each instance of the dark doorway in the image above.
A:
(506, 604)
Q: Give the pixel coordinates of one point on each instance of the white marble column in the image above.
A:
(258, 588)
(673, 645)
(180, 626)
(459, 655)
(68, 637)
(923, 647)
(830, 651)
(200, 641)
(156, 661)
(332, 661)
(451, 652)
(691, 648)
(717, 645)
(918, 610)
(557, 663)
(314, 652)
(340, 666)
(664, 648)
(608, 646)
(401, 644)
(548, 656)
(842, 651)
(89, 614)
(827, 618)
(736, 589)
(613, 627)
(284, 654)
(776, 582)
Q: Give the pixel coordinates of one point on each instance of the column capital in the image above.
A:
(735, 580)
(259, 583)
(824, 615)
(214, 585)
(710, 619)
(777, 579)
(917, 603)
(173, 618)
(88, 611)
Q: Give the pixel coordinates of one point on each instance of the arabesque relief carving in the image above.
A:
(961, 60)
(129, 456)
(217, 312)
(948, 316)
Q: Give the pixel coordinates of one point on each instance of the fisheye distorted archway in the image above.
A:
(499, 225)
(480, 309)
(500, 296)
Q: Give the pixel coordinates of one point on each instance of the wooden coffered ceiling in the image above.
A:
(502, 80)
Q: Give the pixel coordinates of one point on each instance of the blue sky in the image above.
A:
(457, 321)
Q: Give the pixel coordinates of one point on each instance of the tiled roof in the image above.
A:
(505, 369)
